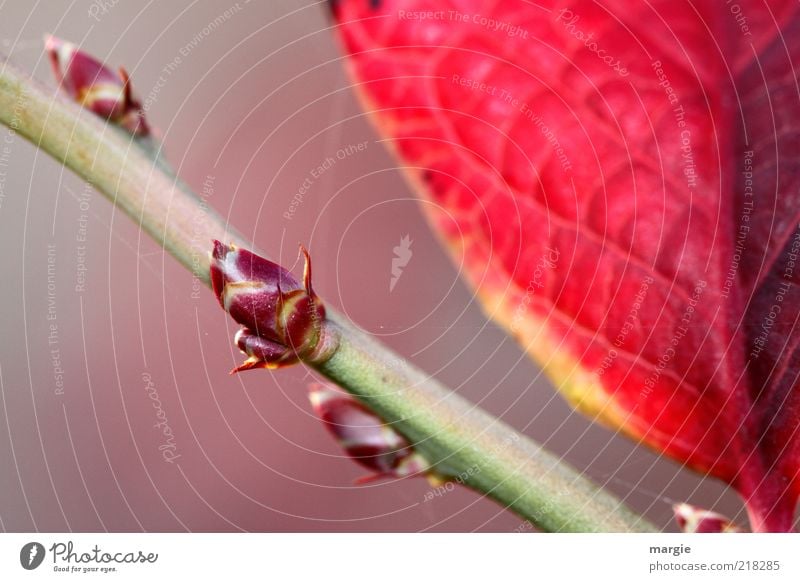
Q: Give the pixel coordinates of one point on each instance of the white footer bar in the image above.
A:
(399, 557)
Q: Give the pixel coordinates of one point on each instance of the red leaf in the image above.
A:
(591, 162)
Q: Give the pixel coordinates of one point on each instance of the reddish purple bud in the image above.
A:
(364, 436)
(95, 86)
(282, 317)
(693, 519)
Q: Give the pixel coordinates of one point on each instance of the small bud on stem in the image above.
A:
(96, 87)
(283, 319)
(364, 436)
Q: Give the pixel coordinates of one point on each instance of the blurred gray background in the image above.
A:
(249, 97)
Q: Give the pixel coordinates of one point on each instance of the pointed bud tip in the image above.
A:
(218, 255)
(52, 43)
(319, 394)
(96, 87)
(54, 46)
(220, 250)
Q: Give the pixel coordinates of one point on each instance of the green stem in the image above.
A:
(466, 443)
(462, 440)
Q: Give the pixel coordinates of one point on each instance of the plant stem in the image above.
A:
(112, 161)
(466, 443)
(460, 439)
